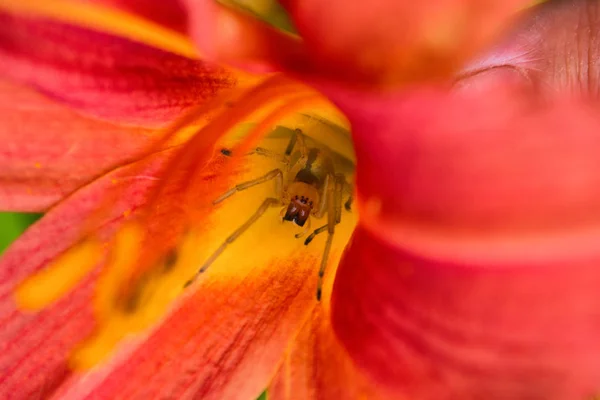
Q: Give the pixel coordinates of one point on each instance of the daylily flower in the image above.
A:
(471, 272)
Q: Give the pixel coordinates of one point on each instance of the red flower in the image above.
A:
(471, 272)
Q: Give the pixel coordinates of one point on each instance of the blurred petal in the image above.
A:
(381, 43)
(386, 42)
(315, 366)
(476, 268)
(48, 150)
(97, 16)
(104, 75)
(35, 347)
(168, 13)
(238, 38)
(553, 50)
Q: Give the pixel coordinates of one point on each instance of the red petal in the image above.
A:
(239, 39)
(389, 41)
(381, 42)
(104, 75)
(474, 273)
(317, 367)
(168, 13)
(35, 346)
(49, 150)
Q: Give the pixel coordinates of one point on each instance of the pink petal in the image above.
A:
(380, 43)
(49, 150)
(35, 346)
(239, 39)
(474, 273)
(168, 13)
(552, 49)
(104, 75)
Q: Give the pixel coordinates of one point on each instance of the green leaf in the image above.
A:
(12, 225)
(263, 396)
(269, 11)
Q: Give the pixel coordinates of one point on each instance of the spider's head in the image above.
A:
(298, 210)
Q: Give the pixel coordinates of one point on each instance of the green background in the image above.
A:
(12, 225)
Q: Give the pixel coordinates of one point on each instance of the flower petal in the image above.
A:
(381, 43)
(48, 150)
(552, 49)
(104, 75)
(225, 339)
(316, 366)
(223, 342)
(94, 15)
(237, 38)
(168, 13)
(476, 268)
(386, 41)
(35, 347)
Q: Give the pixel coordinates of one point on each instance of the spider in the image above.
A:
(307, 187)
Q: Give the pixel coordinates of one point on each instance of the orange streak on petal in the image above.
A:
(60, 277)
(36, 346)
(222, 342)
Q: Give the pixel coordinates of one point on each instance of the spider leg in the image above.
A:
(348, 203)
(334, 216)
(338, 193)
(276, 174)
(323, 202)
(305, 230)
(284, 158)
(310, 237)
(350, 191)
(297, 140)
(269, 202)
(261, 151)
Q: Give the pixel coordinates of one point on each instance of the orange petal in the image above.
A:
(224, 339)
(49, 150)
(103, 75)
(213, 353)
(35, 347)
(316, 366)
(222, 342)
